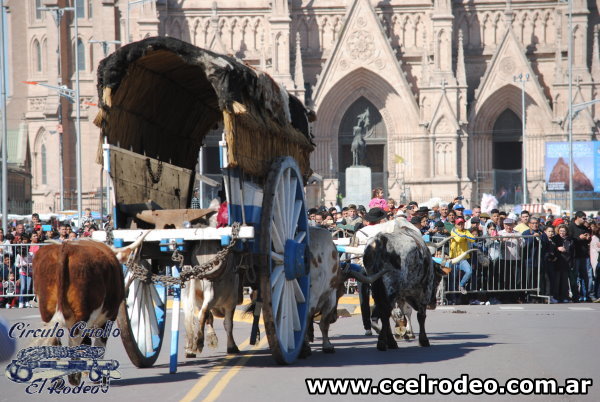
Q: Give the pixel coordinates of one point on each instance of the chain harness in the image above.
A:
(187, 272)
(155, 177)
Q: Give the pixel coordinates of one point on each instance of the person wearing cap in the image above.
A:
(459, 210)
(196, 199)
(581, 250)
(512, 243)
(459, 244)
(484, 218)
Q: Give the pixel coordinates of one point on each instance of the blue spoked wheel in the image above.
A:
(142, 319)
(285, 277)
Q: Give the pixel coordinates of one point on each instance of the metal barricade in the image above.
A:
(16, 274)
(499, 264)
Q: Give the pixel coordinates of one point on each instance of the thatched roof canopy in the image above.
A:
(161, 96)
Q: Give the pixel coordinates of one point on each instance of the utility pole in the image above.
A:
(3, 64)
(523, 79)
(570, 129)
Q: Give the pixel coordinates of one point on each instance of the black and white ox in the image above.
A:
(412, 277)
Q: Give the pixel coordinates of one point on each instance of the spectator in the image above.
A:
(439, 231)
(459, 210)
(63, 232)
(443, 213)
(494, 251)
(581, 240)
(5, 247)
(392, 204)
(484, 219)
(87, 217)
(459, 244)
(510, 267)
(23, 265)
(595, 261)
(378, 200)
(475, 213)
(532, 251)
(449, 224)
(72, 236)
(353, 219)
(564, 247)
(195, 204)
(523, 222)
(549, 261)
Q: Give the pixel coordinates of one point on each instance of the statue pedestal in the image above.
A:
(358, 186)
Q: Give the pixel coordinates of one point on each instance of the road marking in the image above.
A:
(445, 308)
(511, 308)
(581, 308)
(222, 383)
(212, 373)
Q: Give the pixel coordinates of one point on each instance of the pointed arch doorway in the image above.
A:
(376, 139)
(507, 157)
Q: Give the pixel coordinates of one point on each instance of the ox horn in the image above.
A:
(440, 244)
(461, 257)
(123, 253)
(368, 278)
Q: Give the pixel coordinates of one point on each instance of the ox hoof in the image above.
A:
(392, 345)
(233, 349)
(382, 346)
(75, 379)
(329, 349)
(190, 355)
(424, 342)
(305, 352)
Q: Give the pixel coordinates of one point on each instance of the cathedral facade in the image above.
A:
(462, 95)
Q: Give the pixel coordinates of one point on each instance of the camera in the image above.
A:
(460, 197)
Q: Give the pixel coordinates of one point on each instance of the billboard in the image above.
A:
(586, 166)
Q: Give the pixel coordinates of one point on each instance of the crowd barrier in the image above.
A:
(17, 260)
(499, 264)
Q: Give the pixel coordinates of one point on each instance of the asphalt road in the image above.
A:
(496, 342)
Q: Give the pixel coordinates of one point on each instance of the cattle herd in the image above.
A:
(83, 281)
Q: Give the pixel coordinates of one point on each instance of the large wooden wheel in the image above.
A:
(142, 320)
(285, 277)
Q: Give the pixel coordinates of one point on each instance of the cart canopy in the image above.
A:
(160, 96)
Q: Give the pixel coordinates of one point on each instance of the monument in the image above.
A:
(358, 177)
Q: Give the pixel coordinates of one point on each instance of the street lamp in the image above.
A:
(129, 4)
(523, 80)
(105, 44)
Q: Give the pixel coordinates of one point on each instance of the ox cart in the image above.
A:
(159, 100)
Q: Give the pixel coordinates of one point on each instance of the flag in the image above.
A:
(398, 159)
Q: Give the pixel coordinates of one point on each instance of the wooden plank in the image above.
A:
(134, 182)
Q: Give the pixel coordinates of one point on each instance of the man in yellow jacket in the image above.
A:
(459, 244)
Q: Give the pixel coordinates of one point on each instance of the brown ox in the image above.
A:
(79, 281)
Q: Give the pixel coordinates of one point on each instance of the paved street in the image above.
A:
(498, 341)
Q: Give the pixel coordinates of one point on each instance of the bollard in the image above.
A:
(175, 323)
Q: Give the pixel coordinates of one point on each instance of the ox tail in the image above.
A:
(63, 277)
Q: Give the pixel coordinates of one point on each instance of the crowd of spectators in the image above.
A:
(518, 252)
(19, 246)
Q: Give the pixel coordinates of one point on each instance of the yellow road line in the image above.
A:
(212, 373)
(222, 383)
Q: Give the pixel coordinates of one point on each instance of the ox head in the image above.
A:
(124, 253)
(355, 271)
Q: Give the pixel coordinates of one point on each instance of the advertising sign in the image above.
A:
(586, 166)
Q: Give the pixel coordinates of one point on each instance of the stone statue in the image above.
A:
(360, 132)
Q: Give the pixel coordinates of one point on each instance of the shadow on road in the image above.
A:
(362, 351)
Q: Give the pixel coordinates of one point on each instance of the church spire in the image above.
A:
(461, 74)
(595, 57)
(280, 27)
(508, 14)
(424, 63)
(215, 43)
(298, 71)
(558, 72)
